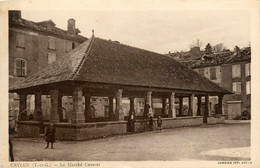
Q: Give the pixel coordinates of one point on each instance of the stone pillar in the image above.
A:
(149, 101)
(78, 113)
(60, 112)
(199, 105)
(54, 117)
(38, 107)
(22, 107)
(220, 99)
(163, 106)
(111, 108)
(207, 105)
(119, 108)
(180, 105)
(193, 111)
(87, 107)
(172, 112)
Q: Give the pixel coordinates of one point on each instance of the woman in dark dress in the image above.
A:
(50, 135)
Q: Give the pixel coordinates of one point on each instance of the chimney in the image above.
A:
(237, 51)
(71, 27)
(14, 15)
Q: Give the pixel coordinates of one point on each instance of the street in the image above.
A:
(205, 142)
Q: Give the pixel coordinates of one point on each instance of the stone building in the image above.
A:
(230, 70)
(116, 75)
(33, 46)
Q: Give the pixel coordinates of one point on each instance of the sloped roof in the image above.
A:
(220, 58)
(41, 27)
(102, 61)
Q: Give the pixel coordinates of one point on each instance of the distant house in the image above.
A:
(33, 46)
(230, 70)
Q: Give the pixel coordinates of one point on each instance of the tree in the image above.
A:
(218, 48)
(198, 43)
(208, 49)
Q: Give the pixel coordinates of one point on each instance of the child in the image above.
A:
(159, 123)
(50, 135)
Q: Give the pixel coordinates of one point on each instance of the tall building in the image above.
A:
(33, 46)
(230, 70)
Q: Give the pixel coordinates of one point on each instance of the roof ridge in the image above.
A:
(83, 58)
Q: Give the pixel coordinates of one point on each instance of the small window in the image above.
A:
(248, 87)
(20, 67)
(51, 43)
(73, 46)
(20, 41)
(236, 71)
(247, 69)
(51, 58)
(213, 75)
(236, 87)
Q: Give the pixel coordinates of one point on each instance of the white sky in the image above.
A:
(159, 31)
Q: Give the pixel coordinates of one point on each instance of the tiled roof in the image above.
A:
(219, 59)
(102, 61)
(41, 27)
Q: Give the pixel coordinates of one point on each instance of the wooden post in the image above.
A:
(60, 112)
(149, 102)
(163, 106)
(207, 105)
(54, 116)
(172, 111)
(22, 107)
(111, 108)
(132, 106)
(220, 99)
(87, 107)
(180, 105)
(78, 113)
(38, 116)
(199, 106)
(119, 108)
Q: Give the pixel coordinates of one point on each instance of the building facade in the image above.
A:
(32, 47)
(231, 71)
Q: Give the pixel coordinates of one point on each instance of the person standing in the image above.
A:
(50, 135)
(159, 122)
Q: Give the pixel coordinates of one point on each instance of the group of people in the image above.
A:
(151, 123)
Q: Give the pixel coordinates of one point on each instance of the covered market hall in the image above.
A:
(105, 68)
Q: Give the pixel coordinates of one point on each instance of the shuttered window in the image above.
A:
(51, 58)
(248, 87)
(52, 43)
(236, 71)
(236, 87)
(20, 67)
(213, 75)
(247, 69)
(20, 41)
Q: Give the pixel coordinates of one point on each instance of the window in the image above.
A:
(236, 87)
(248, 87)
(51, 43)
(73, 46)
(236, 71)
(247, 69)
(20, 67)
(20, 41)
(51, 58)
(213, 75)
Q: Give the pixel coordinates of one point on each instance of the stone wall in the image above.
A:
(68, 131)
(28, 129)
(141, 126)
